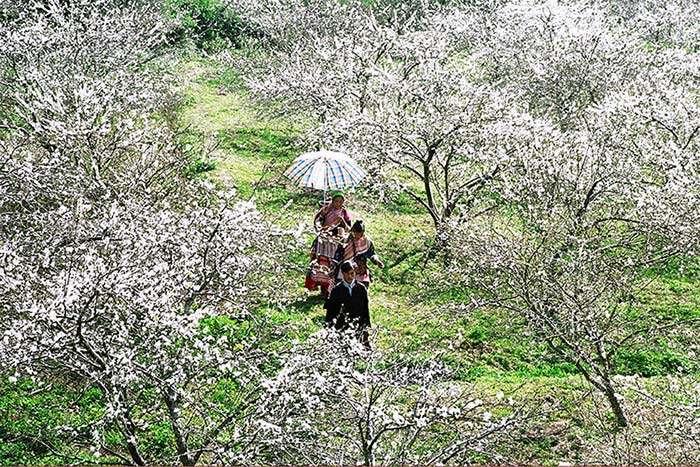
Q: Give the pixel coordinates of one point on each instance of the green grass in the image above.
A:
(30, 415)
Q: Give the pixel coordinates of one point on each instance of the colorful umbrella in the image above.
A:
(325, 170)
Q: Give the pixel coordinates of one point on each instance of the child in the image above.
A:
(348, 304)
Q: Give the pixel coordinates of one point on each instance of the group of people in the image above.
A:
(338, 266)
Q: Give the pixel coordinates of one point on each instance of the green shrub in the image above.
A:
(649, 363)
(209, 24)
(199, 166)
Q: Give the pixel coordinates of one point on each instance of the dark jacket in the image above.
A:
(343, 308)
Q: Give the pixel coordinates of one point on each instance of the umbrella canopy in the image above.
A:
(325, 170)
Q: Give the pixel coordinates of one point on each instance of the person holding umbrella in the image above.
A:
(326, 170)
(331, 222)
(333, 214)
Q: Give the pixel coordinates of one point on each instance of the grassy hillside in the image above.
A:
(409, 306)
(415, 310)
(411, 310)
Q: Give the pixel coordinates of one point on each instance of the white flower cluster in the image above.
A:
(118, 271)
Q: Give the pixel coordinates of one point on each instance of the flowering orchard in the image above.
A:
(116, 264)
(375, 408)
(552, 146)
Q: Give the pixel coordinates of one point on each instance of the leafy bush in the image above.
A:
(209, 24)
(199, 166)
(647, 363)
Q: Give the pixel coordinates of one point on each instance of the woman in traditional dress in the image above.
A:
(359, 248)
(322, 264)
(330, 221)
(332, 215)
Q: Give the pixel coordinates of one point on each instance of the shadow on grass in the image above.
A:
(312, 307)
(310, 303)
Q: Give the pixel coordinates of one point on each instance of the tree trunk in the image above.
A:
(615, 405)
(131, 446)
(130, 432)
(183, 450)
(605, 386)
(601, 381)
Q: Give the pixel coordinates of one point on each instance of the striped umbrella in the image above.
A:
(325, 170)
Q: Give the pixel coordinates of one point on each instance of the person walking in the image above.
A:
(322, 266)
(359, 248)
(347, 306)
(334, 214)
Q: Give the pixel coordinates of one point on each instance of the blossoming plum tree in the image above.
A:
(119, 271)
(335, 402)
